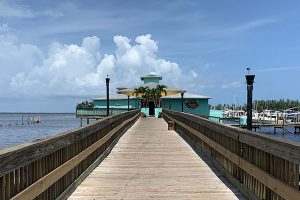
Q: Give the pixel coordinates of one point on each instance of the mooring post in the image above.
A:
(87, 120)
(107, 95)
(80, 122)
(182, 93)
(250, 81)
(128, 102)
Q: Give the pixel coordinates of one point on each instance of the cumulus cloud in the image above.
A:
(80, 69)
(15, 57)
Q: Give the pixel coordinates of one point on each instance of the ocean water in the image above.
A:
(285, 134)
(12, 132)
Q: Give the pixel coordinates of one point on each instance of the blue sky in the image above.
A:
(54, 54)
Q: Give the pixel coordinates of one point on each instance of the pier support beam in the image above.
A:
(107, 95)
(250, 81)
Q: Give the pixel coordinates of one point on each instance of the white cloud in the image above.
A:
(206, 66)
(254, 24)
(233, 84)
(277, 69)
(15, 57)
(193, 73)
(51, 13)
(80, 69)
(11, 9)
(4, 28)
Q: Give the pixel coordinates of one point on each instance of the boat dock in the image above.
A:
(179, 156)
(275, 126)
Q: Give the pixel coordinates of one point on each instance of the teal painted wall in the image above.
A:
(156, 110)
(120, 103)
(149, 80)
(175, 104)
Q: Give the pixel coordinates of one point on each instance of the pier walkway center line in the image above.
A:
(150, 162)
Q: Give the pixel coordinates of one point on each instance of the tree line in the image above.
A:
(85, 105)
(260, 105)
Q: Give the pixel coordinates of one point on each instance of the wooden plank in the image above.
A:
(276, 185)
(82, 177)
(42, 184)
(150, 162)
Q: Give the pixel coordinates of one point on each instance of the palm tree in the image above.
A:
(141, 91)
(150, 94)
(160, 89)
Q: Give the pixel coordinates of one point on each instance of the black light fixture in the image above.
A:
(182, 93)
(250, 81)
(128, 101)
(107, 95)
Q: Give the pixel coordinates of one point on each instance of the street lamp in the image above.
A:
(182, 93)
(250, 81)
(107, 95)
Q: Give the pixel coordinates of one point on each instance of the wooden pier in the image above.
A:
(151, 162)
(129, 157)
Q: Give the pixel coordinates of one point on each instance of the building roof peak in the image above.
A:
(151, 76)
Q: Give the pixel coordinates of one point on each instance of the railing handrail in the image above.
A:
(252, 138)
(22, 154)
(259, 165)
(52, 167)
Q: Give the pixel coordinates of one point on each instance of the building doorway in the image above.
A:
(151, 108)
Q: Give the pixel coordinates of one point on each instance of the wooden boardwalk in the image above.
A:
(150, 162)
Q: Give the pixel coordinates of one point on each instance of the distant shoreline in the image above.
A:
(37, 113)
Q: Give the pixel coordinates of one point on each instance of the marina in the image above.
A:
(143, 100)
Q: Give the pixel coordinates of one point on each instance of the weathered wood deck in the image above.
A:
(150, 162)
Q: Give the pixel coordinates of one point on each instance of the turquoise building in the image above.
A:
(192, 103)
(116, 101)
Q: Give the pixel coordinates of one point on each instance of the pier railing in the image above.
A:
(51, 168)
(262, 167)
(99, 112)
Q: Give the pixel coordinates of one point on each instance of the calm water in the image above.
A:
(12, 132)
(286, 134)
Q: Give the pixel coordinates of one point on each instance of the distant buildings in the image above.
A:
(171, 99)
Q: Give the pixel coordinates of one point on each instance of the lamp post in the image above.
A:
(128, 101)
(107, 95)
(182, 93)
(250, 81)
